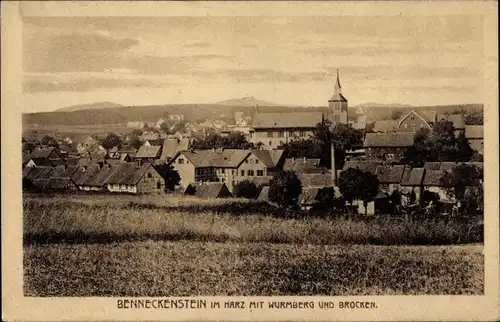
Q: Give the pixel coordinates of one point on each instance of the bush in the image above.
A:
(246, 189)
(285, 189)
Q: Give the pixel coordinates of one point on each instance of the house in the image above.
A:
(275, 129)
(380, 204)
(208, 190)
(172, 146)
(384, 126)
(366, 166)
(475, 136)
(99, 179)
(457, 120)
(412, 181)
(131, 178)
(414, 121)
(389, 147)
(355, 155)
(229, 166)
(148, 154)
(309, 180)
(432, 182)
(303, 165)
(389, 177)
(50, 153)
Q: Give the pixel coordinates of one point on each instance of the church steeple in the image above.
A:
(338, 88)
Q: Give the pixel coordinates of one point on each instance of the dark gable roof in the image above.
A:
(41, 153)
(384, 126)
(199, 158)
(229, 158)
(100, 178)
(129, 173)
(432, 165)
(172, 146)
(413, 177)
(148, 151)
(303, 165)
(390, 174)
(316, 179)
(447, 166)
(428, 116)
(431, 177)
(474, 131)
(270, 158)
(83, 175)
(287, 120)
(403, 139)
(59, 183)
(366, 166)
(261, 181)
(211, 190)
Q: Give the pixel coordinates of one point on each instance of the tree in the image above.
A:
(463, 151)
(420, 152)
(397, 114)
(355, 184)
(111, 141)
(343, 136)
(474, 118)
(477, 157)
(285, 189)
(137, 132)
(49, 141)
(462, 176)
(246, 189)
(473, 200)
(235, 140)
(170, 175)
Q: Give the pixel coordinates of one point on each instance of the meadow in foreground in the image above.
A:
(125, 218)
(185, 268)
(101, 245)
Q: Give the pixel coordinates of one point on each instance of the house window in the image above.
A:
(412, 118)
(250, 173)
(223, 170)
(158, 185)
(270, 143)
(413, 126)
(223, 180)
(269, 134)
(232, 172)
(242, 173)
(281, 134)
(302, 134)
(181, 161)
(150, 175)
(260, 173)
(256, 161)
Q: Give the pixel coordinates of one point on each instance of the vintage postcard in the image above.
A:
(250, 161)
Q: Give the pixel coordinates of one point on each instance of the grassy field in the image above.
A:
(182, 268)
(102, 245)
(102, 219)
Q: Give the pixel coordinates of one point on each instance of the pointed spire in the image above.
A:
(338, 88)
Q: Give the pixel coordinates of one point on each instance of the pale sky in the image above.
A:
(285, 60)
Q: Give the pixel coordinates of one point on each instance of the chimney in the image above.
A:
(333, 170)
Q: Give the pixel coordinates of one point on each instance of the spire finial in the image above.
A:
(337, 84)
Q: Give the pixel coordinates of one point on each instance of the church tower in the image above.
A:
(337, 105)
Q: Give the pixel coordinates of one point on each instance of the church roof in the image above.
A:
(338, 97)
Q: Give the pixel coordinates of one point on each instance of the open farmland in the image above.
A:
(103, 245)
(182, 268)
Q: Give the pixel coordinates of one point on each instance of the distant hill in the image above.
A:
(245, 102)
(91, 106)
(379, 105)
(201, 112)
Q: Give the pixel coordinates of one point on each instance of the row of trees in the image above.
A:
(439, 145)
(343, 136)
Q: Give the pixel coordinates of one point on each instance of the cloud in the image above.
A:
(86, 84)
(199, 44)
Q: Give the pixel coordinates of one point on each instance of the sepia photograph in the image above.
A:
(189, 156)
